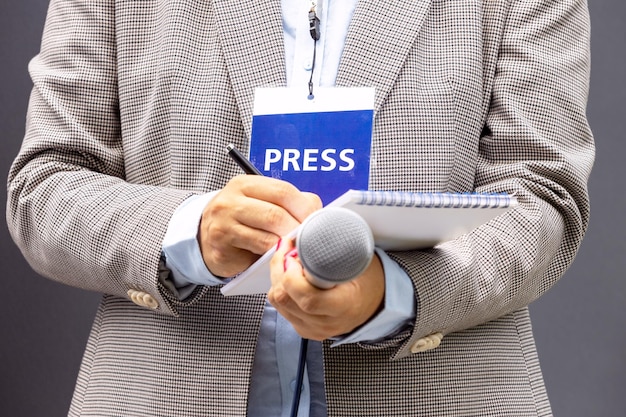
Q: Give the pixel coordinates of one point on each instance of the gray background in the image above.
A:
(580, 325)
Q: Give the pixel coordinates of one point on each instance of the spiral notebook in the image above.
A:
(399, 221)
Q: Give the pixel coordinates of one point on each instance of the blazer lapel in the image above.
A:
(379, 39)
(252, 41)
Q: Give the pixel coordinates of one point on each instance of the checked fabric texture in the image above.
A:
(133, 105)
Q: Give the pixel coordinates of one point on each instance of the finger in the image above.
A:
(308, 330)
(310, 327)
(257, 241)
(316, 327)
(312, 300)
(283, 266)
(283, 194)
(283, 246)
(263, 216)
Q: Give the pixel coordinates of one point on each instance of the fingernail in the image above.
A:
(280, 240)
(288, 256)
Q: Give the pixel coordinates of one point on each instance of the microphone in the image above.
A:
(334, 245)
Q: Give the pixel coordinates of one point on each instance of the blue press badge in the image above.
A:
(321, 145)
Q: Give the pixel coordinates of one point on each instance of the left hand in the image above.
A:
(318, 314)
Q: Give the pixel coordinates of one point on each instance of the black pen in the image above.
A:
(241, 160)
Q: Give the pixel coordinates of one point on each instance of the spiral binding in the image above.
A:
(435, 200)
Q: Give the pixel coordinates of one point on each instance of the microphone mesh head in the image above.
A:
(335, 245)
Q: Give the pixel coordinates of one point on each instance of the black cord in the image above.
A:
(314, 30)
(311, 78)
(295, 404)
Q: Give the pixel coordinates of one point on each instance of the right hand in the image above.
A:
(246, 218)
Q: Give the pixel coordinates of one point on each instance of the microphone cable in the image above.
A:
(295, 403)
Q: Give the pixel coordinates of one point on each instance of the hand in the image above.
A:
(247, 218)
(318, 314)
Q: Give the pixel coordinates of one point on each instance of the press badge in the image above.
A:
(320, 144)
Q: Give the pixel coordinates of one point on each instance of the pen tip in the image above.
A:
(230, 147)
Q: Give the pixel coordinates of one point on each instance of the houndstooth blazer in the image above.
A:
(133, 105)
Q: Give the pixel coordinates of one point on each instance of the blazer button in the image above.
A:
(427, 343)
(143, 299)
(150, 302)
(136, 297)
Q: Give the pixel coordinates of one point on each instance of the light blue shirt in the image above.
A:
(275, 366)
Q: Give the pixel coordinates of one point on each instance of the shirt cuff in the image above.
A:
(181, 249)
(399, 310)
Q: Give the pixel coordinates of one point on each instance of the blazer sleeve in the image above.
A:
(537, 145)
(70, 210)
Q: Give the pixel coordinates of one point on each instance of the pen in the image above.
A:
(241, 160)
